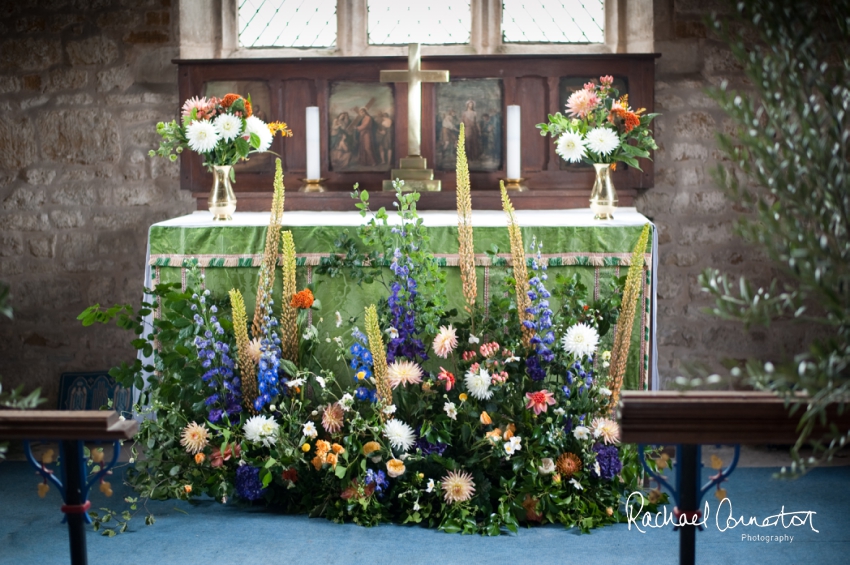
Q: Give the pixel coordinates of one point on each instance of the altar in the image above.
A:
(229, 254)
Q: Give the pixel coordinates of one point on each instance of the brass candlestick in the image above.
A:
(312, 185)
(516, 184)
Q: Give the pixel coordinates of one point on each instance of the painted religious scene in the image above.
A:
(477, 104)
(362, 119)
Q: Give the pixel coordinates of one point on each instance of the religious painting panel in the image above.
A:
(260, 104)
(477, 104)
(566, 87)
(361, 121)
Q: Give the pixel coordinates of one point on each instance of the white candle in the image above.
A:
(514, 171)
(314, 169)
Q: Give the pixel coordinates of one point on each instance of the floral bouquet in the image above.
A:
(600, 127)
(222, 130)
(469, 422)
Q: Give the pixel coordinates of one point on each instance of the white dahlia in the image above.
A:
(457, 487)
(227, 126)
(401, 435)
(201, 136)
(261, 429)
(478, 384)
(570, 147)
(404, 373)
(194, 437)
(602, 140)
(253, 124)
(581, 340)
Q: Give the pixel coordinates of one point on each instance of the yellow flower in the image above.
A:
(463, 397)
(106, 488)
(716, 463)
(361, 375)
(47, 458)
(720, 494)
(485, 419)
(556, 478)
(395, 468)
(371, 446)
(42, 489)
(97, 455)
(199, 458)
(609, 511)
(305, 448)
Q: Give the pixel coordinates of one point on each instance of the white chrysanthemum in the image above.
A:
(451, 410)
(227, 126)
(401, 435)
(404, 373)
(581, 433)
(478, 384)
(253, 124)
(581, 340)
(309, 430)
(261, 429)
(570, 147)
(602, 141)
(201, 136)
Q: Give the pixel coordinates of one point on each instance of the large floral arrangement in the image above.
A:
(467, 422)
(601, 127)
(222, 130)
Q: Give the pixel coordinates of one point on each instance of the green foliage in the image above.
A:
(790, 164)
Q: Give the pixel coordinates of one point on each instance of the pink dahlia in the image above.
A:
(581, 103)
(445, 342)
(205, 107)
(539, 401)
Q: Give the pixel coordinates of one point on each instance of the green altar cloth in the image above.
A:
(230, 253)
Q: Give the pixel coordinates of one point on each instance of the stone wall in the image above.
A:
(82, 85)
(694, 217)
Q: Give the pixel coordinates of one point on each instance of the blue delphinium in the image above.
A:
(268, 382)
(248, 483)
(361, 362)
(541, 319)
(214, 355)
(609, 461)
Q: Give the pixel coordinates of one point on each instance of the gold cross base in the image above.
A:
(415, 174)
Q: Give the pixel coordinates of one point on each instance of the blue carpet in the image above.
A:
(209, 533)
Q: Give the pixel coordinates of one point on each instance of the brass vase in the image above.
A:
(222, 201)
(603, 199)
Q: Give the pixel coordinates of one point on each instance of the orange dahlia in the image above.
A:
(229, 99)
(568, 464)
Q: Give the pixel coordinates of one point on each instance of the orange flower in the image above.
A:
(229, 99)
(371, 446)
(494, 435)
(199, 458)
(337, 448)
(331, 459)
(627, 118)
(485, 419)
(248, 109)
(322, 447)
(303, 299)
(318, 461)
(509, 433)
(187, 488)
(568, 464)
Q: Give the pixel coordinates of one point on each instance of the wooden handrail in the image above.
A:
(711, 417)
(86, 425)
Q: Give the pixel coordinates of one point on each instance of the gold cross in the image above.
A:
(414, 76)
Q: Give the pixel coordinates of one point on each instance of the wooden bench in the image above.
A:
(71, 429)
(691, 419)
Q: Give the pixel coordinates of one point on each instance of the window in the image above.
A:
(437, 22)
(553, 21)
(287, 23)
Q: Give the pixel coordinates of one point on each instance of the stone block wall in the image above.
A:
(694, 217)
(82, 85)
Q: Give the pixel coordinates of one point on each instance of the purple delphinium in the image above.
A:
(609, 461)
(248, 483)
(402, 312)
(541, 319)
(426, 447)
